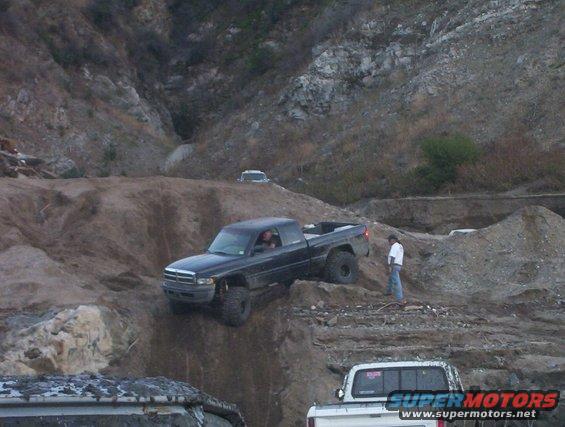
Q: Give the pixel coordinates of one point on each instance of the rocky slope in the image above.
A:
(71, 94)
(307, 90)
(398, 72)
(81, 260)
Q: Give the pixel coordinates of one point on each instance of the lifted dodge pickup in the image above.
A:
(248, 256)
(366, 387)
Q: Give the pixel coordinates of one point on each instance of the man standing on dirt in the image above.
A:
(395, 259)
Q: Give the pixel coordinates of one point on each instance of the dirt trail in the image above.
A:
(102, 244)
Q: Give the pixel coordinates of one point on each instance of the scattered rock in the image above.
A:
(15, 164)
(332, 321)
(413, 307)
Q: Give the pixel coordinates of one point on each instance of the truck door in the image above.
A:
(265, 263)
(295, 255)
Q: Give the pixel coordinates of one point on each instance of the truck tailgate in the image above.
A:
(361, 415)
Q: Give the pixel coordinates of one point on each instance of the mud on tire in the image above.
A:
(341, 267)
(236, 306)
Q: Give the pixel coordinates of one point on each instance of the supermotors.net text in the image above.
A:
(476, 404)
(469, 415)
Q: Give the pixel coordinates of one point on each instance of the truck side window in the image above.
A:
(391, 381)
(408, 379)
(431, 379)
(292, 235)
(268, 239)
(378, 382)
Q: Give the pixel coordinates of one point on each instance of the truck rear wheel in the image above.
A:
(342, 267)
(236, 307)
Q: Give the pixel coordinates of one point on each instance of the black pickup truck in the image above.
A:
(239, 262)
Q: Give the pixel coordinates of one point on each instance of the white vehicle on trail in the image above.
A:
(253, 176)
(366, 387)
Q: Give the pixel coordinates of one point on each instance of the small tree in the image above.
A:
(260, 61)
(443, 156)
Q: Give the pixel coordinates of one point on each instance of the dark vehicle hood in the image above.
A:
(204, 263)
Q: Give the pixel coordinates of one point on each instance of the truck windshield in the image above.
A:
(253, 177)
(381, 382)
(229, 242)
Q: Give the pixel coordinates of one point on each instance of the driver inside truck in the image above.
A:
(269, 240)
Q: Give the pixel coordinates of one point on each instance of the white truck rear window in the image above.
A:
(381, 382)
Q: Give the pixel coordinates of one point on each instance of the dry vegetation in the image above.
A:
(502, 166)
(513, 162)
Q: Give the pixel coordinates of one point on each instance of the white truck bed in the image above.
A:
(361, 415)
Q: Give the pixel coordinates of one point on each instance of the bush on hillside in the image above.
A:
(104, 13)
(148, 50)
(260, 61)
(443, 156)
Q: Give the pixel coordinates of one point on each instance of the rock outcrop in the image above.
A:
(84, 339)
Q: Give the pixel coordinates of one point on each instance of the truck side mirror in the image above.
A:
(339, 394)
(258, 249)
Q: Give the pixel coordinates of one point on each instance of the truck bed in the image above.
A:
(324, 236)
(314, 230)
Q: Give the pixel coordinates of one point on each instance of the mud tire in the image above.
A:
(236, 307)
(342, 268)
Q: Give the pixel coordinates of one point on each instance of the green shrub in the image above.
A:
(104, 13)
(110, 153)
(260, 61)
(148, 50)
(443, 156)
(72, 52)
(68, 55)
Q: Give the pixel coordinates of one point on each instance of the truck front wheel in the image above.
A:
(237, 306)
(342, 267)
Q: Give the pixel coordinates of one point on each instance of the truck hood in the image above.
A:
(205, 263)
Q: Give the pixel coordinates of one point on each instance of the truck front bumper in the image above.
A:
(192, 294)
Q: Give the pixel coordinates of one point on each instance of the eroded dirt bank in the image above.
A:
(79, 256)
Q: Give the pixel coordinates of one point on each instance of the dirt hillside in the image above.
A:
(80, 262)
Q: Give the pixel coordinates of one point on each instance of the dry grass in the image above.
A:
(513, 162)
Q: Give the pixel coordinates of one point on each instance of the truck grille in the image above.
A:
(179, 276)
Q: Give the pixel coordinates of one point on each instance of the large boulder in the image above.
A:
(85, 338)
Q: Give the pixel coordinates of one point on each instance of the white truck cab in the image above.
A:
(366, 387)
(253, 176)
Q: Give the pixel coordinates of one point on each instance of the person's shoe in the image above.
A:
(402, 303)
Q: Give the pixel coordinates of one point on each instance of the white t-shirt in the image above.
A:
(396, 251)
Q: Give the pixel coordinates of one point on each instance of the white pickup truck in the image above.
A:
(366, 387)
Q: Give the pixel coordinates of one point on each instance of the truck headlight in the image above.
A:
(205, 281)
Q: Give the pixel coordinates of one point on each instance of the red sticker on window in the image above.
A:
(373, 374)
